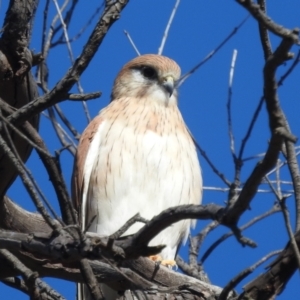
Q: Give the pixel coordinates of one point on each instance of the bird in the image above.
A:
(138, 156)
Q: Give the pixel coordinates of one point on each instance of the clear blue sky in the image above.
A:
(198, 28)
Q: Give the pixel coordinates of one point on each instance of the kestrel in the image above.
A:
(137, 155)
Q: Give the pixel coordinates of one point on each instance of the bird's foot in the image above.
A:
(169, 263)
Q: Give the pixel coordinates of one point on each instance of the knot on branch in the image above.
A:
(283, 132)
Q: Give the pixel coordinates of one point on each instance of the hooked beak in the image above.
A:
(169, 84)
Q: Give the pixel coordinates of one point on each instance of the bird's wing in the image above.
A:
(79, 178)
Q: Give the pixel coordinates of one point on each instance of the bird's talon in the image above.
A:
(169, 263)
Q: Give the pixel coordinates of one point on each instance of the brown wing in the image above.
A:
(78, 169)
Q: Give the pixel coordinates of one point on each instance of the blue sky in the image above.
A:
(198, 28)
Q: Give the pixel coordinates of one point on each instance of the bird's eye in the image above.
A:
(149, 72)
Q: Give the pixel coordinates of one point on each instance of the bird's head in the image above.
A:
(150, 77)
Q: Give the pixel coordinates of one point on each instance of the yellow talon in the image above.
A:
(170, 263)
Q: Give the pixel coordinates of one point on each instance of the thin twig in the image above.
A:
(28, 172)
(84, 97)
(61, 133)
(215, 170)
(57, 94)
(35, 284)
(21, 134)
(196, 242)
(79, 34)
(266, 21)
(80, 89)
(250, 128)
(47, 43)
(51, 166)
(212, 53)
(132, 43)
(16, 283)
(237, 279)
(229, 119)
(90, 279)
(165, 36)
(293, 166)
(207, 253)
(29, 187)
(290, 70)
(69, 125)
(287, 222)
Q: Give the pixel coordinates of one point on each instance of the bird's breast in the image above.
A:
(142, 164)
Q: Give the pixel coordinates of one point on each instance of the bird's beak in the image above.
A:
(169, 84)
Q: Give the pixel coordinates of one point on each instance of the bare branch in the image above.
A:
(62, 116)
(165, 36)
(290, 70)
(84, 97)
(211, 54)
(59, 92)
(231, 136)
(263, 32)
(287, 222)
(215, 170)
(274, 209)
(237, 279)
(34, 283)
(132, 43)
(261, 17)
(90, 279)
(250, 128)
(278, 129)
(27, 184)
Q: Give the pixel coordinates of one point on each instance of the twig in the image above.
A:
(60, 132)
(290, 70)
(225, 190)
(263, 32)
(132, 43)
(78, 35)
(287, 222)
(90, 279)
(196, 242)
(21, 134)
(85, 108)
(69, 125)
(229, 119)
(250, 128)
(237, 279)
(54, 173)
(165, 36)
(193, 271)
(57, 94)
(84, 97)
(136, 218)
(52, 31)
(215, 170)
(139, 241)
(293, 166)
(16, 283)
(29, 174)
(278, 182)
(274, 209)
(212, 53)
(261, 17)
(39, 205)
(278, 129)
(35, 284)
